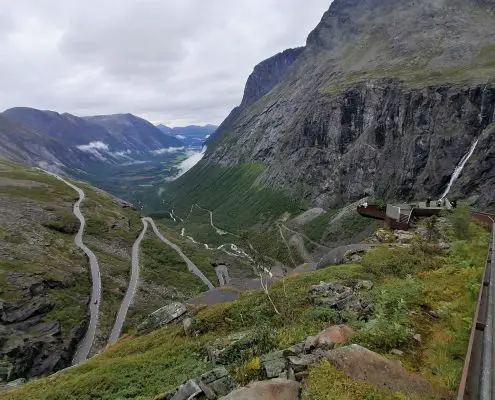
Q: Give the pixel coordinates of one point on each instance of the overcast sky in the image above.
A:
(171, 61)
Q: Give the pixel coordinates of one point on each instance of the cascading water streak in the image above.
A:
(458, 169)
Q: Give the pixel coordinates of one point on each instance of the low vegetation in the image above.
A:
(406, 281)
(316, 228)
(326, 382)
(232, 193)
(37, 232)
(37, 237)
(419, 75)
(164, 278)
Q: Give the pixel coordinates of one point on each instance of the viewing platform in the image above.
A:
(399, 216)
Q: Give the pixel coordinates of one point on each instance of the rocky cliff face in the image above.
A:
(268, 74)
(384, 100)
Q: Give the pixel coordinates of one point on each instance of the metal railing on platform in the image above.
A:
(477, 380)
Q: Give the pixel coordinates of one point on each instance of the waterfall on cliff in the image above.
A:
(458, 169)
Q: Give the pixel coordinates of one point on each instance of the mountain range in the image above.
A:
(70, 143)
(368, 107)
(191, 135)
(384, 100)
(389, 100)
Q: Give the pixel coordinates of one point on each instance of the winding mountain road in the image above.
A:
(190, 265)
(134, 279)
(86, 343)
(131, 289)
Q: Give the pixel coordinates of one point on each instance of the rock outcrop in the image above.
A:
(340, 297)
(212, 384)
(30, 347)
(162, 317)
(219, 352)
(362, 364)
(275, 389)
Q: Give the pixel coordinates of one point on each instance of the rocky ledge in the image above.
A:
(29, 345)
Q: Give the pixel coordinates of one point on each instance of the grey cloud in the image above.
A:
(170, 61)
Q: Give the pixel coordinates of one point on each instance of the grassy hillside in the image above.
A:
(164, 275)
(404, 278)
(414, 75)
(36, 244)
(37, 233)
(232, 193)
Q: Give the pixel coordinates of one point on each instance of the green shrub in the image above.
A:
(391, 327)
(248, 372)
(330, 315)
(395, 262)
(262, 340)
(460, 219)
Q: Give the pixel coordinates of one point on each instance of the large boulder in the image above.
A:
(335, 295)
(331, 294)
(212, 385)
(162, 317)
(363, 364)
(275, 389)
(273, 364)
(187, 391)
(218, 381)
(336, 334)
(220, 351)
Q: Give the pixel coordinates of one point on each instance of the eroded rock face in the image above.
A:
(162, 317)
(30, 347)
(363, 364)
(275, 389)
(267, 74)
(18, 312)
(344, 122)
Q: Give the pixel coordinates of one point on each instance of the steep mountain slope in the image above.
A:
(384, 100)
(19, 143)
(402, 284)
(44, 277)
(268, 74)
(69, 130)
(134, 133)
(78, 145)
